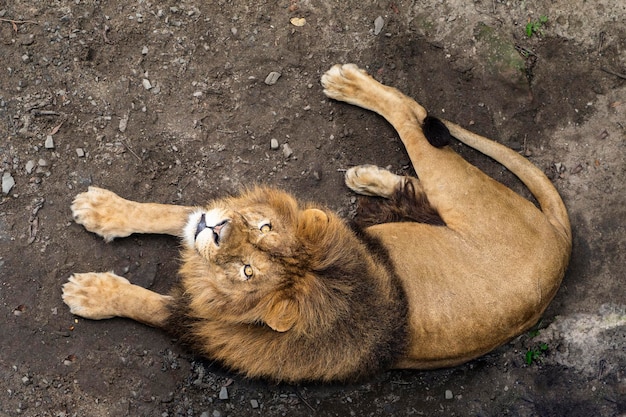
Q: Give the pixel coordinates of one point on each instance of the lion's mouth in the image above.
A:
(216, 230)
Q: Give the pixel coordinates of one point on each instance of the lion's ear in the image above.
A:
(282, 315)
(314, 215)
(312, 223)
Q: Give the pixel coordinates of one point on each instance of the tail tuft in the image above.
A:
(436, 132)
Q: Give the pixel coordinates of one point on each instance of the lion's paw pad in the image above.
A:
(100, 211)
(92, 295)
(343, 81)
(372, 180)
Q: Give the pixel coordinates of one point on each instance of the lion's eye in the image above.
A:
(247, 271)
(265, 227)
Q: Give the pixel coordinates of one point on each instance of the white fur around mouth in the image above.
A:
(191, 237)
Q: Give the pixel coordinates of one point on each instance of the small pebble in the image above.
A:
(223, 393)
(27, 39)
(42, 162)
(144, 50)
(123, 123)
(272, 78)
(254, 403)
(146, 84)
(274, 144)
(287, 151)
(7, 182)
(217, 413)
(378, 25)
(449, 395)
(49, 144)
(80, 152)
(30, 165)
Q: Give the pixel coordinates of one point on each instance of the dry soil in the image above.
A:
(166, 101)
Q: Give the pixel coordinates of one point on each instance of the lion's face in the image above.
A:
(248, 257)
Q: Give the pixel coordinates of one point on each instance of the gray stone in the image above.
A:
(49, 144)
(30, 165)
(7, 182)
(287, 151)
(378, 25)
(272, 78)
(223, 394)
(123, 123)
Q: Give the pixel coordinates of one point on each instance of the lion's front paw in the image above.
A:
(93, 295)
(102, 212)
(344, 82)
(372, 180)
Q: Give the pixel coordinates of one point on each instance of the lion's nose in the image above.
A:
(217, 231)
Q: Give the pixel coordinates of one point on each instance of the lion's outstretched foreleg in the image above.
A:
(105, 295)
(111, 216)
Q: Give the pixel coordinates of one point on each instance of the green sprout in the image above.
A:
(534, 27)
(535, 353)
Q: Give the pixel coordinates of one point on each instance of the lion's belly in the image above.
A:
(464, 299)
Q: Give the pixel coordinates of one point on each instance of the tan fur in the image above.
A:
(275, 288)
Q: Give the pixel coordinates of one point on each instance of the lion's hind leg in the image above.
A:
(105, 295)
(403, 199)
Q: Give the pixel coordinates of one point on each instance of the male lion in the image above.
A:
(275, 288)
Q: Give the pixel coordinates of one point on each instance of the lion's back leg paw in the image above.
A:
(373, 181)
(343, 82)
(94, 295)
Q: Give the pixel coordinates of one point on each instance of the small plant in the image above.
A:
(535, 353)
(534, 26)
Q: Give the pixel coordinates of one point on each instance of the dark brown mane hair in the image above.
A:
(404, 205)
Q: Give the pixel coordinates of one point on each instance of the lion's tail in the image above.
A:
(539, 185)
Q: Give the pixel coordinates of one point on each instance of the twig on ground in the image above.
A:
(131, 150)
(17, 22)
(617, 74)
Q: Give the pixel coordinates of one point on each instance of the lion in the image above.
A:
(450, 265)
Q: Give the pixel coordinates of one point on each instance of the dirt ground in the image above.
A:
(166, 101)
